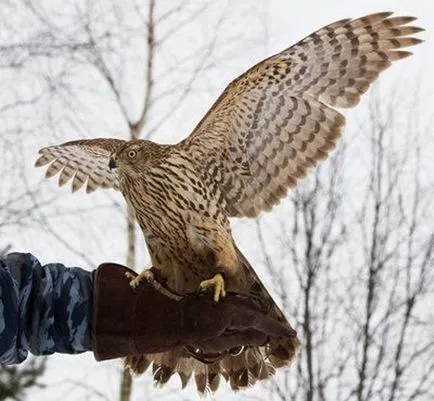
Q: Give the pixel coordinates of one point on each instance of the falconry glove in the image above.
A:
(152, 319)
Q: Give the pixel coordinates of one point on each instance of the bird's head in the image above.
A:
(129, 156)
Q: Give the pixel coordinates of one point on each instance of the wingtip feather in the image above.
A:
(43, 160)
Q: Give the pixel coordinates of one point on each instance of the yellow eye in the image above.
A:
(132, 154)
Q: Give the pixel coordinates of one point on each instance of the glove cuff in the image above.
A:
(113, 316)
(149, 319)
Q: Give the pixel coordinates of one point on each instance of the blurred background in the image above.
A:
(348, 255)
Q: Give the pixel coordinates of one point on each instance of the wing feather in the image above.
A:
(275, 122)
(83, 161)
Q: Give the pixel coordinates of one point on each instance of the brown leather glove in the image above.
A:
(152, 319)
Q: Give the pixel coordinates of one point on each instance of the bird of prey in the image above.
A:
(268, 128)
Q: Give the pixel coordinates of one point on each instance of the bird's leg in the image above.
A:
(206, 235)
(135, 281)
(227, 263)
(218, 283)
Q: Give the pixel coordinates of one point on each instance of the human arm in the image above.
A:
(43, 308)
(52, 308)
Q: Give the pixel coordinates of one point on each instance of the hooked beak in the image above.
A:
(112, 163)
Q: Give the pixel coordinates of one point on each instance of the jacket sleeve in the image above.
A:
(43, 309)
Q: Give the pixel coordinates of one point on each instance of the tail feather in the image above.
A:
(245, 369)
(185, 370)
(138, 364)
(238, 371)
(201, 379)
(282, 352)
(166, 365)
(241, 371)
(214, 376)
(207, 376)
(258, 365)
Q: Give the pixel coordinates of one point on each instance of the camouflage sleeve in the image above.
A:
(43, 309)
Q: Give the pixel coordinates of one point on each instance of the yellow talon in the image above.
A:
(136, 280)
(219, 286)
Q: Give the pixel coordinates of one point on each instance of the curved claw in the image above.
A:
(218, 283)
(136, 280)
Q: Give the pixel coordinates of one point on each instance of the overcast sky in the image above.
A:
(259, 28)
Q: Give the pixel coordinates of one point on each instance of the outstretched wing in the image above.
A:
(83, 161)
(276, 121)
